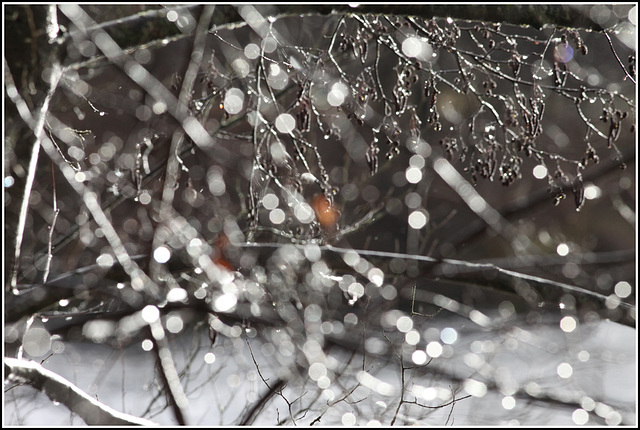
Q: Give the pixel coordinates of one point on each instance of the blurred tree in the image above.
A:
(363, 210)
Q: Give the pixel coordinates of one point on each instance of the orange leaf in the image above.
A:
(326, 212)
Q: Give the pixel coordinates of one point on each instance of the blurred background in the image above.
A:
(370, 216)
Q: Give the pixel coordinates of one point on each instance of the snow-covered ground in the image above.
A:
(538, 376)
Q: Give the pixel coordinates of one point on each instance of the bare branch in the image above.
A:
(38, 130)
(631, 78)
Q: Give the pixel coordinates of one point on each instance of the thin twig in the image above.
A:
(52, 227)
(453, 404)
(413, 300)
(276, 388)
(465, 267)
(618, 58)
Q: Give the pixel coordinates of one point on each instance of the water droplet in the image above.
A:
(285, 123)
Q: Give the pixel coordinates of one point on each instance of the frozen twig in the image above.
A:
(52, 227)
(631, 78)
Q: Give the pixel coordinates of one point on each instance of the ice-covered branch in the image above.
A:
(61, 390)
